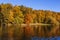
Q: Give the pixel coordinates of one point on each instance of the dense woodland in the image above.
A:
(11, 15)
(20, 14)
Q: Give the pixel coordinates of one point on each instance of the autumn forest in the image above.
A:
(22, 23)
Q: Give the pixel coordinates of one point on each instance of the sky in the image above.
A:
(53, 5)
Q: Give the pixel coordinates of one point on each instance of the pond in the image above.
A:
(51, 38)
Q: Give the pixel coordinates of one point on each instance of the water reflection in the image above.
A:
(43, 38)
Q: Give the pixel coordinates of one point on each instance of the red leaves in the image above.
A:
(28, 18)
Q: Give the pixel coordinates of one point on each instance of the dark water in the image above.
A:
(51, 38)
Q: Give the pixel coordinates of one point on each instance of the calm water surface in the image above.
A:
(51, 38)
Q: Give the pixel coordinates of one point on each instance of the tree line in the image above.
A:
(20, 14)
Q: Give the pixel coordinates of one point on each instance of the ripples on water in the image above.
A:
(51, 38)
